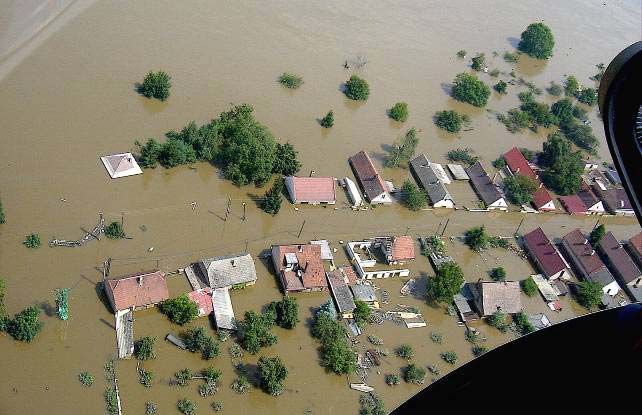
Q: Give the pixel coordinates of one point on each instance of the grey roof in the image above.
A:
(363, 292)
(618, 260)
(458, 172)
(341, 292)
(425, 175)
(462, 304)
(326, 252)
(228, 270)
(613, 176)
(493, 296)
(602, 276)
(223, 312)
(482, 184)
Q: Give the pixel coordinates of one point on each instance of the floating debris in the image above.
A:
(361, 387)
(377, 341)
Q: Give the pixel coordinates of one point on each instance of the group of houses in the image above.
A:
(211, 280)
(600, 193)
(612, 264)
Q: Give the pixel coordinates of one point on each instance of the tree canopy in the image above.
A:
(403, 149)
(479, 62)
(399, 112)
(563, 167)
(498, 274)
(468, 88)
(336, 355)
(413, 197)
(581, 135)
(520, 189)
(290, 80)
(144, 348)
(529, 287)
(255, 332)
(563, 110)
(271, 202)
(587, 96)
(180, 310)
(361, 313)
(272, 373)
(446, 283)
(284, 313)
(328, 120)
(414, 374)
(115, 230)
(596, 235)
(156, 85)
(571, 86)
(476, 238)
(500, 87)
(537, 41)
(197, 340)
(25, 325)
(589, 294)
(2, 217)
(450, 121)
(357, 89)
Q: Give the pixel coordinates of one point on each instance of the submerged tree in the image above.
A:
(361, 313)
(589, 294)
(271, 202)
(413, 197)
(563, 167)
(520, 189)
(500, 87)
(414, 374)
(479, 62)
(115, 230)
(498, 274)
(32, 241)
(144, 348)
(529, 287)
(446, 283)
(255, 332)
(450, 121)
(468, 88)
(403, 150)
(25, 325)
(596, 235)
(290, 80)
(399, 112)
(476, 238)
(328, 120)
(371, 404)
(180, 310)
(156, 85)
(272, 373)
(357, 89)
(537, 41)
(2, 217)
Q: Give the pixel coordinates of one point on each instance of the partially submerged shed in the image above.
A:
(426, 176)
(458, 172)
(341, 294)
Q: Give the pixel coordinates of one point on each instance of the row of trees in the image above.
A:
(403, 150)
(336, 355)
(244, 148)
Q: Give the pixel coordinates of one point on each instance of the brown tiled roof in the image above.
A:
(310, 266)
(582, 251)
(618, 259)
(635, 243)
(504, 296)
(367, 175)
(138, 290)
(541, 197)
(539, 246)
(573, 205)
(312, 189)
(349, 274)
(614, 199)
(403, 248)
(518, 163)
(587, 196)
(203, 299)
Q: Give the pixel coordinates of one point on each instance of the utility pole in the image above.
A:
(227, 210)
(438, 228)
(407, 229)
(519, 226)
(301, 230)
(445, 226)
(243, 212)
(246, 245)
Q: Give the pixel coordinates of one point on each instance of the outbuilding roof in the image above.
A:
(363, 292)
(121, 165)
(482, 184)
(311, 189)
(541, 198)
(367, 175)
(308, 272)
(582, 253)
(341, 292)
(503, 296)
(540, 247)
(573, 205)
(138, 290)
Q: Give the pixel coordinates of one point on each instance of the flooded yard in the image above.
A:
(72, 100)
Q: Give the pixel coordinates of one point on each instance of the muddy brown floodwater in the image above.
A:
(73, 99)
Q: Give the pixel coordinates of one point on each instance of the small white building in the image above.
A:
(369, 258)
(121, 165)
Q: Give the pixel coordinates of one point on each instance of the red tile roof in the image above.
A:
(541, 197)
(588, 197)
(540, 247)
(310, 266)
(403, 248)
(573, 205)
(138, 290)
(349, 274)
(518, 164)
(635, 243)
(313, 189)
(202, 298)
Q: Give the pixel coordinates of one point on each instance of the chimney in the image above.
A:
(301, 248)
(593, 252)
(140, 281)
(233, 263)
(621, 203)
(585, 241)
(541, 185)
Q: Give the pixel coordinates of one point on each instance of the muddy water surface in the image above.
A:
(73, 100)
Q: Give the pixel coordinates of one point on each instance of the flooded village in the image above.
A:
(125, 249)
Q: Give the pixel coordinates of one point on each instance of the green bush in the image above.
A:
(156, 85)
(461, 54)
(464, 155)
(596, 235)
(186, 407)
(524, 326)
(520, 189)
(271, 202)
(479, 62)
(145, 378)
(183, 376)
(414, 374)
(539, 113)
(32, 241)
(361, 313)
(436, 337)
(449, 357)
(589, 294)
(392, 379)
(290, 80)
(115, 231)
(515, 121)
(587, 96)
(371, 404)
(25, 325)
(479, 350)
(405, 351)
(2, 217)
(529, 287)
(500, 87)
(499, 163)
(86, 379)
(450, 120)
(403, 150)
(499, 320)
(399, 112)
(197, 340)
(144, 348)
(476, 238)
(446, 283)
(413, 198)
(255, 332)
(357, 89)
(241, 385)
(272, 373)
(328, 120)
(571, 86)
(537, 41)
(468, 88)
(498, 274)
(150, 408)
(180, 310)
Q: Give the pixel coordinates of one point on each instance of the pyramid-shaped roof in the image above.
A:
(121, 165)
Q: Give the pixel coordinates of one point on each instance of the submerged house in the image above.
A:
(573, 205)
(299, 267)
(121, 165)
(311, 190)
(203, 299)
(587, 263)
(228, 271)
(368, 177)
(485, 188)
(382, 257)
(427, 177)
(545, 255)
(621, 265)
(542, 200)
(616, 201)
(137, 291)
(341, 294)
(490, 297)
(594, 206)
(365, 293)
(517, 164)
